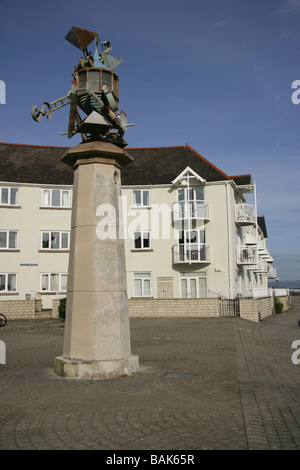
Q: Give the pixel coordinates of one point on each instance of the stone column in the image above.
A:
(97, 335)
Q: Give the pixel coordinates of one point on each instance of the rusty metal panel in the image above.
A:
(80, 37)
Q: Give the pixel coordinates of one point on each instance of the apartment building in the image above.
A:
(189, 229)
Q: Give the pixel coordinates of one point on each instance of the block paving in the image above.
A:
(204, 383)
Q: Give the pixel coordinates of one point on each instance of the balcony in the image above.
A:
(196, 211)
(247, 255)
(271, 271)
(261, 266)
(245, 214)
(191, 253)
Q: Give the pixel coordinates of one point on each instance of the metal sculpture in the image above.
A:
(95, 90)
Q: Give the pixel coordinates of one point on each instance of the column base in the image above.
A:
(72, 368)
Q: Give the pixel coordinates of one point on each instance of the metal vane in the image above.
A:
(95, 90)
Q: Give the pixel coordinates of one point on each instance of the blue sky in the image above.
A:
(216, 74)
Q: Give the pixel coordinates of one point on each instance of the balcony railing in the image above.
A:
(191, 253)
(247, 254)
(190, 210)
(261, 266)
(271, 271)
(245, 214)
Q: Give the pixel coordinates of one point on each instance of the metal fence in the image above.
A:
(229, 307)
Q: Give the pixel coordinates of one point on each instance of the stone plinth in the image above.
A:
(97, 335)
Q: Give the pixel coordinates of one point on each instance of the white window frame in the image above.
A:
(60, 232)
(200, 234)
(48, 289)
(141, 191)
(7, 247)
(192, 195)
(141, 232)
(50, 204)
(140, 276)
(196, 276)
(6, 290)
(9, 198)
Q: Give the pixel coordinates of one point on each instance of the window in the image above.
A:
(9, 196)
(55, 240)
(192, 236)
(94, 79)
(54, 282)
(191, 202)
(193, 285)
(142, 284)
(8, 282)
(141, 198)
(192, 246)
(193, 194)
(142, 240)
(56, 198)
(8, 240)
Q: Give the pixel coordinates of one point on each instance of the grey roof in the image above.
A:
(161, 165)
(262, 224)
(23, 163)
(34, 164)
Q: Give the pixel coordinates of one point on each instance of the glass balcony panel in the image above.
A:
(190, 210)
(191, 253)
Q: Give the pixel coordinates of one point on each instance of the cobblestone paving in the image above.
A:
(219, 383)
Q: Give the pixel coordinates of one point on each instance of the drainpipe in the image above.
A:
(229, 240)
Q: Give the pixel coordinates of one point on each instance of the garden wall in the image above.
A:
(21, 309)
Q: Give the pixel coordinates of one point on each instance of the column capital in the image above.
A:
(96, 152)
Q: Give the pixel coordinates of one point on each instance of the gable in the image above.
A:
(190, 175)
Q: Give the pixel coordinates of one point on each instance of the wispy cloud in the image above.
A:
(221, 23)
(288, 7)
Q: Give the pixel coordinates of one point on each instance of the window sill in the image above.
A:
(140, 207)
(9, 206)
(9, 250)
(3, 293)
(55, 208)
(52, 292)
(144, 250)
(143, 297)
(54, 251)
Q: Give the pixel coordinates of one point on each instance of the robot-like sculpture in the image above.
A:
(95, 90)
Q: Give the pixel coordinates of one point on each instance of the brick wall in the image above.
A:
(21, 309)
(173, 307)
(55, 305)
(250, 309)
(287, 303)
(255, 309)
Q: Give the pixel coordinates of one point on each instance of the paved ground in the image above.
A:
(221, 383)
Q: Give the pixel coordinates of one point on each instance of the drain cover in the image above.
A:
(178, 375)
